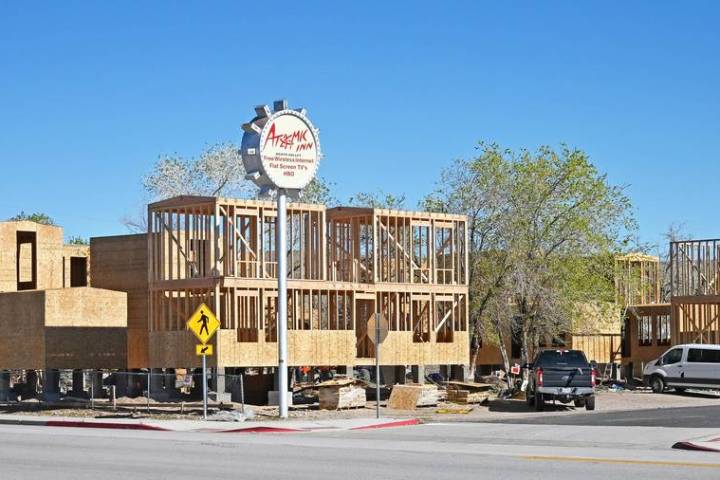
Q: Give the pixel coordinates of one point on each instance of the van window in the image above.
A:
(704, 355)
(673, 356)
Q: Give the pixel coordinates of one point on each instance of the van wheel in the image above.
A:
(657, 384)
(579, 402)
(539, 402)
(590, 403)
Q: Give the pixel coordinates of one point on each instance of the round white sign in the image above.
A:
(289, 151)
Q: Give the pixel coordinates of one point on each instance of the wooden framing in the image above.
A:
(696, 319)
(637, 280)
(695, 267)
(344, 265)
(648, 331)
(692, 314)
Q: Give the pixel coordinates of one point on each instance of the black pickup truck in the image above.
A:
(561, 375)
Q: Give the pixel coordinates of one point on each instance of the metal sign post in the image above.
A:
(203, 323)
(204, 374)
(280, 151)
(282, 302)
(377, 368)
(379, 325)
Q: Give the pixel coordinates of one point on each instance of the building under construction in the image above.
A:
(683, 307)
(344, 266)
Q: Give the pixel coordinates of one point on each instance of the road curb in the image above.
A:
(109, 425)
(205, 428)
(706, 445)
(395, 423)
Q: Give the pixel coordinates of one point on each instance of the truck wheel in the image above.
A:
(590, 403)
(579, 402)
(539, 402)
(657, 384)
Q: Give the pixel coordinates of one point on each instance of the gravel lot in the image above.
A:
(494, 410)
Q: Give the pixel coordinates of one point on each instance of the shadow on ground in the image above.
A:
(519, 406)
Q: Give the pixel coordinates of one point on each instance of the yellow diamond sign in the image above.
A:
(203, 323)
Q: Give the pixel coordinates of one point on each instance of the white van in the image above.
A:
(685, 366)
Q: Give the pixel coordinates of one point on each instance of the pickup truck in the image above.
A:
(561, 375)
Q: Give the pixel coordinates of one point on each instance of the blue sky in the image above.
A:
(92, 93)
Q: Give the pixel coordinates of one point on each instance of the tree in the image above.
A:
(217, 171)
(319, 191)
(378, 199)
(543, 229)
(78, 240)
(41, 218)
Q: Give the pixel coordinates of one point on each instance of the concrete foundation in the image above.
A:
(219, 383)
(51, 385)
(459, 372)
(418, 374)
(169, 380)
(29, 390)
(4, 386)
(78, 384)
(121, 385)
(96, 384)
(392, 374)
(157, 385)
(274, 398)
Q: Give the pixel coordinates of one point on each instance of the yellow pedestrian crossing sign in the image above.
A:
(203, 349)
(203, 323)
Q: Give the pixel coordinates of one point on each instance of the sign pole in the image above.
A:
(377, 365)
(282, 301)
(204, 383)
(280, 151)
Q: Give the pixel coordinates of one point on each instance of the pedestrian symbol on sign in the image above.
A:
(204, 320)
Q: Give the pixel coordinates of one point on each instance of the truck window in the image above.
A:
(673, 356)
(570, 358)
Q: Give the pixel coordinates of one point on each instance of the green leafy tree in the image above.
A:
(319, 191)
(378, 199)
(78, 240)
(543, 228)
(37, 217)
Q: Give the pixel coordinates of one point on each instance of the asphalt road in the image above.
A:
(434, 451)
(686, 417)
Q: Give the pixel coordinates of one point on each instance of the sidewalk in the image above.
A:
(280, 426)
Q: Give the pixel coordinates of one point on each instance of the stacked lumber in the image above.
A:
(341, 393)
(411, 396)
(467, 392)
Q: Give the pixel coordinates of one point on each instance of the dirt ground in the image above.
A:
(493, 410)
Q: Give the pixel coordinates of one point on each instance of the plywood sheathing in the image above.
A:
(49, 254)
(81, 327)
(121, 263)
(409, 397)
